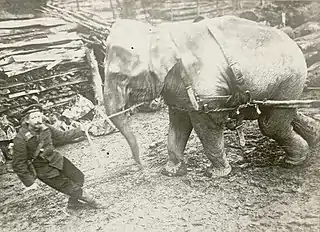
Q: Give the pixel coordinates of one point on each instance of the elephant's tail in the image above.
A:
(308, 128)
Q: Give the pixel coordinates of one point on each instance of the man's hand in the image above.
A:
(34, 186)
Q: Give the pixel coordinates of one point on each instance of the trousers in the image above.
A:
(69, 181)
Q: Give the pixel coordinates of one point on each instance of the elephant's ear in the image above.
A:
(163, 54)
(127, 45)
(137, 59)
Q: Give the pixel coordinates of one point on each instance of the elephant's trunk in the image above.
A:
(121, 123)
(115, 98)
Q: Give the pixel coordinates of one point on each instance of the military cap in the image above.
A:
(30, 109)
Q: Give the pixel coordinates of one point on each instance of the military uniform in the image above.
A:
(34, 157)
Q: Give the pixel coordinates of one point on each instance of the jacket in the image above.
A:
(47, 162)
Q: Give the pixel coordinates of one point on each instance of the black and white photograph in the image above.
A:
(159, 115)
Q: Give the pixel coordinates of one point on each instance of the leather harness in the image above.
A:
(239, 99)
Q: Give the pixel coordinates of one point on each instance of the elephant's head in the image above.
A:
(133, 72)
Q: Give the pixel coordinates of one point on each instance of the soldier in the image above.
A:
(34, 157)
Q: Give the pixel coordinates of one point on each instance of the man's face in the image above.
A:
(35, 120)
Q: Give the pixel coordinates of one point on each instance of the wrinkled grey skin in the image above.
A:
(279, 78)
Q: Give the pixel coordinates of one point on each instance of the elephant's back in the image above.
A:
(272, 64)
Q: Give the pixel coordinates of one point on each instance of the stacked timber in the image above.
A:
(301, 23)
(41, 60)
(309, 43)
(93, 29)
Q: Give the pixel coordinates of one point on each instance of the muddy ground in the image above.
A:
(257, 196)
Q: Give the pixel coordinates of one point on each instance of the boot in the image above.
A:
(90, 200)
(75, 204)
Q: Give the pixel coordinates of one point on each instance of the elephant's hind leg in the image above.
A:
(209, 129)
(276, 124)
(180, 128)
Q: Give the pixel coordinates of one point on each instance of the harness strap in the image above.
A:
(238, 96)
(232, 62)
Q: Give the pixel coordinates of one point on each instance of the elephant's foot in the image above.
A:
(213, 172)
(133, 166)
(308, 128)
(293, 162)
(172, 170)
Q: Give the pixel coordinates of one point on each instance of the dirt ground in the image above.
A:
(257, 196)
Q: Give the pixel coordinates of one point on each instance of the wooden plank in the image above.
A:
(50, 40)
(72, 44)
(21, 68)
(36, 91)
(15, 34)
(5, 15)
(23, 93)
(72, 71)
(51, 55)
(44, 22)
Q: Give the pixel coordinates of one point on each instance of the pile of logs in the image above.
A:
(301, 23)
(41, 60)
(309, 43)
(92, 28)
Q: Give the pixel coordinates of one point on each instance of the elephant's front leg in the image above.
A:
(209, 129)
(180, 128)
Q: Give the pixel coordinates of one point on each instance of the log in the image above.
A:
(313, 78)
(309, 45)
(96, 78)
(307, 28)
(312, 36)
(312, 57)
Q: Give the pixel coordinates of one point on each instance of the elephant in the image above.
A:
(199, 68)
